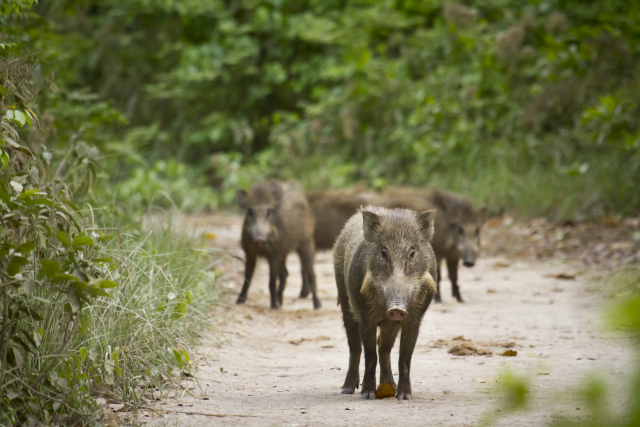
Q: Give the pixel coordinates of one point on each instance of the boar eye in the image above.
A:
(269, 212)
(460, 230)
(250, 212)
(412, 253)
(384, 253)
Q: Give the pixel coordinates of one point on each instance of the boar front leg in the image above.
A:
(275, 263)
(452, 268)
(368, 336)
(388, 333)
(284, 273)
(438, 263)
(249, 268)
(408, 340)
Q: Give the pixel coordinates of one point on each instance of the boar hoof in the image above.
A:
(304, 293)
(404, 393)
(459, 298)
(437, 298)
(241, 299)
(369, 395)
(316, 303)
(347, 390)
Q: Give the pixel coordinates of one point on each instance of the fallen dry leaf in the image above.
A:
(323, 338)
(298, 342)
(447, 391)
(385, 390)
(328, 346)
(468, 350)
(460, 338)
(562, 276)
(491, 291)
(508, 344)
(542, 373)
(510, 353)
(500, 264)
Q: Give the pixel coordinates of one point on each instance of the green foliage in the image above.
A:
(528, 104)
(83, 308)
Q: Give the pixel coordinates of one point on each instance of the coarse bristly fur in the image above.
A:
(278, 220)
(384, 267)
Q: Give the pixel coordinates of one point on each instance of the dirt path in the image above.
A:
(286, 367)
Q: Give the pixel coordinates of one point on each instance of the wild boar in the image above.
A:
(277, 220)
(384, 268)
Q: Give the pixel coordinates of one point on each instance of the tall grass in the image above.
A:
(137, 339)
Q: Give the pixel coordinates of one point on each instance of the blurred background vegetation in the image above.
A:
(528, 105)
(110, 107)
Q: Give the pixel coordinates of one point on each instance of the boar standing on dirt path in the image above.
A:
(333, 208)
(457, 235)
(385, 269)
(278, 220)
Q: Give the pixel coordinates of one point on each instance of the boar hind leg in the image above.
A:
(387, 338)
(284, 273)
(352, 327)
(249, 268)
(304, 291)
(438, 263)
(452, 268)
(306, 258)
(408, 340)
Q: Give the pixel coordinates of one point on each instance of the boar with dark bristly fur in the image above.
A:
(457, 235)
(385, 269)
(278, 220)
(333, 208)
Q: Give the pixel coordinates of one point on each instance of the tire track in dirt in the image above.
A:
(286, 367)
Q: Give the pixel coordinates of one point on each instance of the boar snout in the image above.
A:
(261, 242)
(397, 312)
(469, 262)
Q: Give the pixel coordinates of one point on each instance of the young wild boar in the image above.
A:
(278, 220)
(385, 270)
(457, 235)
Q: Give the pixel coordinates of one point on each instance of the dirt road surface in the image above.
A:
(286, 367)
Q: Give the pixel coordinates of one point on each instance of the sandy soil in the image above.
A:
(287, 367)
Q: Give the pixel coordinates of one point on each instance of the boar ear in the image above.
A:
(426, 220)
(439, 199)
(276, 190)
(370, 225)
(483, 213)
(243, 198)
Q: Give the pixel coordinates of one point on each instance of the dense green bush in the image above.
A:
(526, 104)
(90, 301)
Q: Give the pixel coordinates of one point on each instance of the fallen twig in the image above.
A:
(206, 414)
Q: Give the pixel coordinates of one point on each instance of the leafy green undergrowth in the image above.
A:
(92, 303)
(97, 318)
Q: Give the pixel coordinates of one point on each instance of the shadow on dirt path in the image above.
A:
(286, 367)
